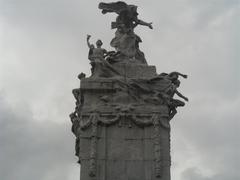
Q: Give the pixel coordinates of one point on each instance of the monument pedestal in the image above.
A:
(122, 137)
(124, 152)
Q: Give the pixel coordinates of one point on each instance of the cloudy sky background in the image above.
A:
(43, 49)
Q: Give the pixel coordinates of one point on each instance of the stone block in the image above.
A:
(134, 132)
(148, 132)
(135, 170)
(84, 148)
(116, 170)
(134, 150)
(148, 149)
(116, 149)
(101, 170)
(96, 84)
(101, 148)
(135, 70)
(116, 133)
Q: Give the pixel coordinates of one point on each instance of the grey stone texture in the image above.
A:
(125, 153)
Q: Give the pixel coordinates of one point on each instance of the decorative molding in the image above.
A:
(93, 148)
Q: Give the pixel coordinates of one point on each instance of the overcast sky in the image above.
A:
(43, 49)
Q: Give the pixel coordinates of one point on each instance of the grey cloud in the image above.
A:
(195, 174)
(209, 129)
(34, 150)
(208, 11)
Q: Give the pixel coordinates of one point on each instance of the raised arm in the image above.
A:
(88, 43)
(178, 74)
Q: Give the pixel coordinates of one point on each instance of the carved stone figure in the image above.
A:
(100, 67)
(75, 130)
(126, 41)
(81, 76)
(96, 54)
(123, 110)
(171, 91)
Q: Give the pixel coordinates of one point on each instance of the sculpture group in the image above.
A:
(123, 89)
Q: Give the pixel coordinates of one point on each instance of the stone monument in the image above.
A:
(123, 110)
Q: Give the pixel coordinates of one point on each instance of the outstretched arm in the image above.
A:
(141, 22)
(180, 74)
(180, 95)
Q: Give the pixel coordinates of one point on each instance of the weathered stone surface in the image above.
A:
(121, 136)
(130, 70)
(124, 157)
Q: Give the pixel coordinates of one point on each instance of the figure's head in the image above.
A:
(92, 46)
(99, 43)
(81, 75)
(176, 83)
(133, 8)
(72, 115)
(173, 76)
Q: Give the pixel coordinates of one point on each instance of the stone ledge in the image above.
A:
(129, 70)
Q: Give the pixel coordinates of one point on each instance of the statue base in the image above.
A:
(125, 151)
(123, 137)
